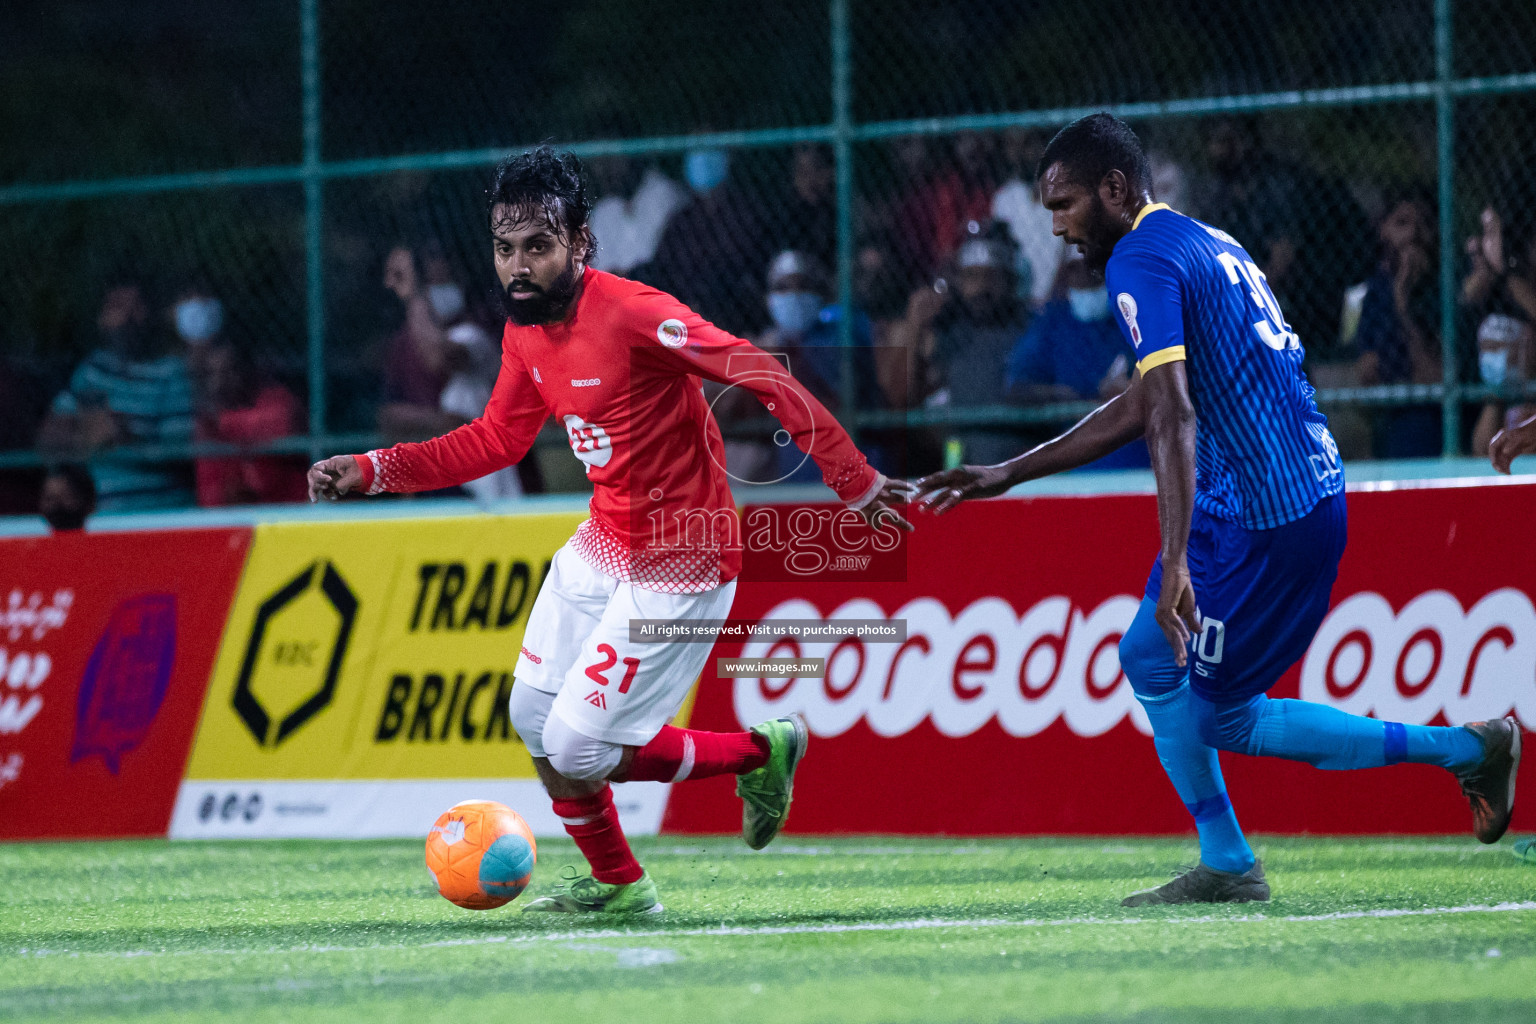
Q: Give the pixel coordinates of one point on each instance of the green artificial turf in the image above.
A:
(844, 930)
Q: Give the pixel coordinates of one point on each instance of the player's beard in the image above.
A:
(1099, 241)
(541, 305)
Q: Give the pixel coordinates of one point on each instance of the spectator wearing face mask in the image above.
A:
(198, 320)
(712, 254)
(1498, 296)
(962, 331)
(1399, 332)
(442, 362)
(68, 497)
(237, 404)
(130, 390)
(1073, 351)
(804, 333)
(804, 318)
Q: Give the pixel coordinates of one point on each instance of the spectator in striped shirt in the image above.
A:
(129, 391)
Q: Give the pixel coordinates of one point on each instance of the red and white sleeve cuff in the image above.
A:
(368, 466)
(868, 496)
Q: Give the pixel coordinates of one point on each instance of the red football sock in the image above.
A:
(677, 754)
(594, 823)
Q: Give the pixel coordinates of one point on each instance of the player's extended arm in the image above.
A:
(1107, 429)
(1170, 432)
(707, 351)
(498, 438)
(1519, 439)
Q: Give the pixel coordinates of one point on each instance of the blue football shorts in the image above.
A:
(1262, 594)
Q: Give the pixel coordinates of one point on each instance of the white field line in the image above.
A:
(794, 850)
(919, 924)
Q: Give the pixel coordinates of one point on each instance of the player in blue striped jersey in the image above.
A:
(1251, 512)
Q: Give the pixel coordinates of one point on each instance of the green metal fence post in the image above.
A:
(1445, 158)
(842, 145)
(314, 214)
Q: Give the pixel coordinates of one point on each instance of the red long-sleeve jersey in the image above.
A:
(622, 373)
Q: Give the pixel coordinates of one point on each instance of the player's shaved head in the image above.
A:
(1092, 146)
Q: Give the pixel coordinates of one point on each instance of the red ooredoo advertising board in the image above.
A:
(1004, 709)
(106, 645)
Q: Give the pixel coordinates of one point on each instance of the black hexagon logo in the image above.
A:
(255, 717)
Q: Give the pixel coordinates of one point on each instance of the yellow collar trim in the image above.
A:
(1146, 210)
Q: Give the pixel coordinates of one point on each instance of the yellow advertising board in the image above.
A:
(376, 650)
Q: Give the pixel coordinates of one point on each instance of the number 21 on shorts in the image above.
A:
(611, 658)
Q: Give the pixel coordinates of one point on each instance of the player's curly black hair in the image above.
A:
(547, 182)
(1092, 146)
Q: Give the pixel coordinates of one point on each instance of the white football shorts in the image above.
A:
(577, 646)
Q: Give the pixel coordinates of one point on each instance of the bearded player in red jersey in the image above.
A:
(620, 363)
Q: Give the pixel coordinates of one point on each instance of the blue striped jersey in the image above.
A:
(1185, 290)
(152, 399)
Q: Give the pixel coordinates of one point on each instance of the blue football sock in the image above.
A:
(1329, 738)
(1195, 772)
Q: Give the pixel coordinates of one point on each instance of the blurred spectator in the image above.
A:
(128, 391)
(198, 319)
(1073, 351)
(1169, 183)
(1499, 296)
(1502, 279)
(1017, 204)
(637, 203)
(933, 208)
(805, 318)
(68, 497)
(415, 366)
(878, 293)
(963, 336)
(1399, 332)
(711, 254)
(442, 362)
(804, 332)
(238, 405)
(1306, 232)
(807, 220)
(1506, 351)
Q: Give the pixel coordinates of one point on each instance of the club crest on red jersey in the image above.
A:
(672, 333)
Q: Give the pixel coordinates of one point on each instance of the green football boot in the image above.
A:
(583, 894)
(1525, 849)
(765, 792)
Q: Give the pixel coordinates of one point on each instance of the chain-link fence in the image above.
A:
(315, 166)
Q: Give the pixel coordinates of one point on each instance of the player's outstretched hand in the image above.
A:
(942, 491)
(1506, 444)
(333, 477)
(879, 510)
(1177, 613)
